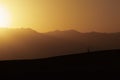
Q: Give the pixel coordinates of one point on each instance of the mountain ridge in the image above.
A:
(29, 44)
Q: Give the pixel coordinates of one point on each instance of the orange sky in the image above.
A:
(49, 15)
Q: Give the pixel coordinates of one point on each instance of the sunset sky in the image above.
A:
(49, 15)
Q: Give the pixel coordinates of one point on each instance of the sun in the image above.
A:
(5, 18)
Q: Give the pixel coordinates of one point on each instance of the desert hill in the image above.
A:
(74, 64)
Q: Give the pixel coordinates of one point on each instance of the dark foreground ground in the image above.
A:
(67, 66)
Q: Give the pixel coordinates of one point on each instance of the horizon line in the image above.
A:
(57, 30)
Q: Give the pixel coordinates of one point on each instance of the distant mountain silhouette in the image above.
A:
(93, 40)
(29, 44)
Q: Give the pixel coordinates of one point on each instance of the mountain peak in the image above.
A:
(72, 31)
(17, 30)
(65, 31)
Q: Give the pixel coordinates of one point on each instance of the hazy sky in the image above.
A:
(47, 15)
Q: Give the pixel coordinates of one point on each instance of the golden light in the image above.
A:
(5, 17)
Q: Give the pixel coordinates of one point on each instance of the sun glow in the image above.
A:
(5, 17)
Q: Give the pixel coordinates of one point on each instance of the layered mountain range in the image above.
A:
(29, 44)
